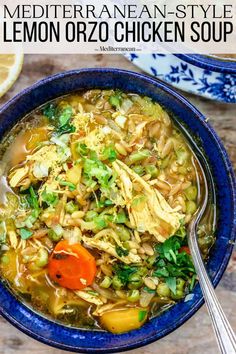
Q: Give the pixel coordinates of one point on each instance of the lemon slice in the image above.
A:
(10, 68)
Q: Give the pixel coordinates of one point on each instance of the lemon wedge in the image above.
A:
(10, 68)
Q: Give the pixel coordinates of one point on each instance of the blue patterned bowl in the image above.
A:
(87, 341)
(198, 74)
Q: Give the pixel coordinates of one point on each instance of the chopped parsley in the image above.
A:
(172, 264)
(124, 271)
(65, 129)
(50, 111)
(64, 116)
(33, 199)
(121, 251)
(30, 200)
(171, 283)
(60, 117)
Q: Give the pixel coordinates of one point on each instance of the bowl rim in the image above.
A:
(166, 89)
(210, 63)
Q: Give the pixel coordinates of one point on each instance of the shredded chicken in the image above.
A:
(18, 176)
(102, 241)
(155, 216)
(93, 299)
(47, 154)
(100, 310)
(13, 239)
(38, 164)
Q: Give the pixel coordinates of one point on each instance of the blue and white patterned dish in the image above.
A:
(94, 341)
(205, 76)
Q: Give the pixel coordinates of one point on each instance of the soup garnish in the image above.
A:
(97, 190)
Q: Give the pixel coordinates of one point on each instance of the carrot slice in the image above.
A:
(71, 266)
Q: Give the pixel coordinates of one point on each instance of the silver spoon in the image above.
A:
(224, 333)
(225, 336)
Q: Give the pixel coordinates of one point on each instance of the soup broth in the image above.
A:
(97, 189)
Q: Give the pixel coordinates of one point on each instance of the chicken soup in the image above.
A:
(97, 189)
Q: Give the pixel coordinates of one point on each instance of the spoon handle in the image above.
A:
(224, 333)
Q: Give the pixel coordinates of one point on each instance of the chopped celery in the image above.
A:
(58, 229)
(106, 282)
(71, 207)
(115, 100)
(181, 232)
(139, 155)
(163, 290)
(90, 215)
(152, 170)
(138, 169)
(97, 169)
(108, 202)
(165, 162)
(71, 186)
(25, 234)
(191, 192)
(179, 291)
(53, 236)
(3, 232)
(42, 258)
(117, 283)
(82, 149)
(122, 232)
(133, 295)
(126, 105)
(109, 154)
(50, 198)
(120, 218)
(191, 207)
(182, 155)
(100, 222)
(142, 315)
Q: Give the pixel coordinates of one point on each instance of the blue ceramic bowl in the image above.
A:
(210, 63)
(209, 77)
(87, 341)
